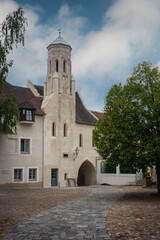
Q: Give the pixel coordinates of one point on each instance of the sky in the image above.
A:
(108, 39)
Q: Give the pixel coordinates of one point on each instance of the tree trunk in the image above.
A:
(158, 176)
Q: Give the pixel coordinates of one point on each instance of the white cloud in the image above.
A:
(6, 6)
(129, 34)
(30, 62)
(129, 31)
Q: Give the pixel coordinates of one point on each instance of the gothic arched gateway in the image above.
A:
(86, 174)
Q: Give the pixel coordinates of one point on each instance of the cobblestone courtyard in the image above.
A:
(73, 214)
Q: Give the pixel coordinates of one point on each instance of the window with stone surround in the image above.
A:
(32, 174)
(25, 146)
(18, 175)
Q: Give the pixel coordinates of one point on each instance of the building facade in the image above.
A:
(54, 144)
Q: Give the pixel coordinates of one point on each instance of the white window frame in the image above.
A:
(29, 114)
(31, 167)
(30, 147)
(13, 180)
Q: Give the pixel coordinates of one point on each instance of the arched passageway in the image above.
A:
(86, 174)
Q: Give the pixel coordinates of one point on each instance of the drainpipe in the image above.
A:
(43, 152)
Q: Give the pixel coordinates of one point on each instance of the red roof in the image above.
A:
(98, 115)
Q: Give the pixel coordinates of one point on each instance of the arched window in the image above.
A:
(65, 130)
(53, 129)
(50, 66)
(102, 167)
(56, 65)
(64, 66)
(80, 140)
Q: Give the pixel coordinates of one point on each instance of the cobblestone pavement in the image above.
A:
(83, 218)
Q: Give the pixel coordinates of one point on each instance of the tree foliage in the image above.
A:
(129, 134)
(12, 31)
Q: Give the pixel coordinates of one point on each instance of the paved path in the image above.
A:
(83, 218)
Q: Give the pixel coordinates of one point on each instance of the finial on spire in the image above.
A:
(59, 30)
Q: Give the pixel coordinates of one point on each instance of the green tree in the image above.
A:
(11, 33)
(129, 134)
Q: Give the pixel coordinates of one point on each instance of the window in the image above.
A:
(65, 176)
(26, 114)
(64, 66)
(93, 144)
(18, 175)
(65, 155)
(80, 140)
(50, 66)
(56, 65)
(33, 174)
(25, 146)
(65, 130)
(53, 129)
(102, 166)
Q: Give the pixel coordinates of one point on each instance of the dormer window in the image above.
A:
(27, 115)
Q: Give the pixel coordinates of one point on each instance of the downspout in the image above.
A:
(43, 152)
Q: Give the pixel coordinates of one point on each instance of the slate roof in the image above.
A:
(60, 41)
(25, 98)
(82, 114)
(39, 89)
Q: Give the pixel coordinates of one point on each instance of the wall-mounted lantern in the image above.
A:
(76, 151)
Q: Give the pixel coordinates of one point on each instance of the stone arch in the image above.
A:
(86, 174)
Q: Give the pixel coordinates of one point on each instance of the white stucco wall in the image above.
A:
(11, 157)
(114, 179)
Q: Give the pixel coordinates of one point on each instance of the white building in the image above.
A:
(54, 144)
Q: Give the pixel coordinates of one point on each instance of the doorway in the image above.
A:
(54, 177)
(86, 174)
